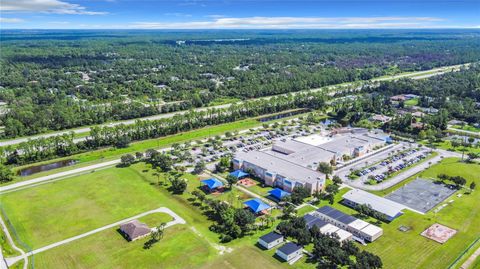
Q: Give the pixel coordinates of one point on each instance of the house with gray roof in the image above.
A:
(134, 230)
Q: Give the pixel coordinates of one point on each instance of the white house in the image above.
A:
(290, 252)
(270, 240)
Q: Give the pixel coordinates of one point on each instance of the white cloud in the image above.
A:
(45, 6)
(11, 20)
(295, 23)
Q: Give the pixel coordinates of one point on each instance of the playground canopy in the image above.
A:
(212, 183)
(238, 174)
(279, 193)
(256, 205)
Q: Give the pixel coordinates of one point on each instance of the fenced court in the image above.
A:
(421, 194)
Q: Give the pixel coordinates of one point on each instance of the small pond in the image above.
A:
(282, 115)
(45, 167)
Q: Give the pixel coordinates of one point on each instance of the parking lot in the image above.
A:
(395, 163)
(211, 150)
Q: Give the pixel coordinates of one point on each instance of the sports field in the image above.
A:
(409, 249)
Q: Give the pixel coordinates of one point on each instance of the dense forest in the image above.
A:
(454, 95)
(59, 80)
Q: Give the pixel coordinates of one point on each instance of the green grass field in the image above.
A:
(467, 128)
(447, 145)
(86, 202)
(80, 204)
(52, 212)
(410, 250)
(412, 102)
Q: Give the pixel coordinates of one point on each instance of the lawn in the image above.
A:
(108, 154)
(52, 212)
(410, 250)
(412, 102)
(467, 128)
(447, 145)
(80, 204)
(180, 248)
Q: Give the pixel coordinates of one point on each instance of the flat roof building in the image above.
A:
(292, 162)
(327, 228)
(360, 229)
(279, 172)
(385, 206)
(270, 240)
(290, 252)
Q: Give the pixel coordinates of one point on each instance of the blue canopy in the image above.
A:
(212, 183)
(238, 173)
(256, 205)
(278, 193)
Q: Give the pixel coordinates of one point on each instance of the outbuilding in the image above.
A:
(270, 240)
(134, 230)
(290, 252)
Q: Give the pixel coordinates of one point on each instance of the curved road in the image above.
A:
(412, 75)
(176, 220)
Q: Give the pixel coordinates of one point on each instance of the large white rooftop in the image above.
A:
(343, 235)
(314, 139)
(358, 224)
(280, 166)
(380, 204)
(372, 230)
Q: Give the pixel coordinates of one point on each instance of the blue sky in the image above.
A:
(238, 14)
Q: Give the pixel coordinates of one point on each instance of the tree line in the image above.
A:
(121, 135)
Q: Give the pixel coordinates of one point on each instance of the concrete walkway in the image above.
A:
(464, 131)
(3, 263)
(471, 259)
(177, 220)
(242, 189)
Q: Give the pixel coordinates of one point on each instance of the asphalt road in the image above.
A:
(413, 75)
(68, 173)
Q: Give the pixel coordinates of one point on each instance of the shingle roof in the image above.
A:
(134, 229)
(271, 237)
(289, 248)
